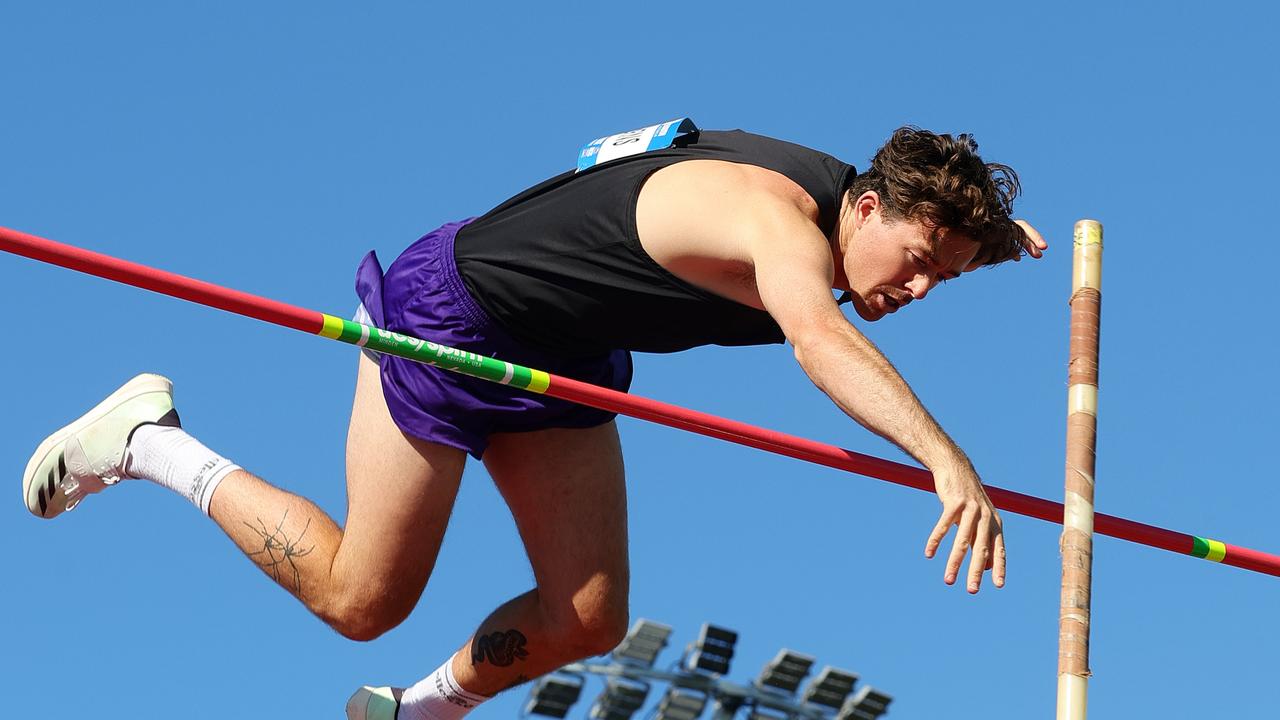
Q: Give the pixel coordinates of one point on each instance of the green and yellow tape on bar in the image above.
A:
(1210, 550)
(469, 363)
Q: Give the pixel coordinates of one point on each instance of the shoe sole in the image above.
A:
(139, 385)
(373, 703)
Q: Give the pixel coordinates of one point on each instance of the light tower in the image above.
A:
(697, 681)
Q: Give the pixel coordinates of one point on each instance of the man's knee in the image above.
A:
(588, 631)
(364, 615)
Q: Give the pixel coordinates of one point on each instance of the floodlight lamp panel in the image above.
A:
(553, 695)
(646, 638)
(711, 663)
(533, 707)
(871, 696)
(867, 704)
(620, 699)
(786, 671)
(641, 651)
(835, 677)
(717, 635)
(712, 651)
(830, 687)
(792, 660)
(679, 704)
(649, 628)
(626, 689)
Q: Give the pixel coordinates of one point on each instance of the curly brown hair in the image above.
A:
(940, 180)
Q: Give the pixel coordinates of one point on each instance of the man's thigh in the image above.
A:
(400, 492)
(567, 491)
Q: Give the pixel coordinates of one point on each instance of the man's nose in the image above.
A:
(920, 286)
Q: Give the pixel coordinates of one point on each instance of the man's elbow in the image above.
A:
(817, 344)
(809, 347)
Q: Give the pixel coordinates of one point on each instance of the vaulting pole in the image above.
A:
(291, 316)
(1082, 432)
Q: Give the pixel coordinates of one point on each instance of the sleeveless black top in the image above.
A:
(560, 266)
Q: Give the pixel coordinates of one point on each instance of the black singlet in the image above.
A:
(560, 265)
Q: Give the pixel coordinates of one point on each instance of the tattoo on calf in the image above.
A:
(499, 648)
(278, 549)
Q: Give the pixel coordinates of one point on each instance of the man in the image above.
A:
(704, 238)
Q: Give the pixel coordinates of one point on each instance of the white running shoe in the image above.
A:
(373, 703)
(89, 455)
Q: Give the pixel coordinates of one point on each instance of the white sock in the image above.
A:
(438, 697)
(169, 456)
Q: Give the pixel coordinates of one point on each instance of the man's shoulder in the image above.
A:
(732, 185)
(747, 140)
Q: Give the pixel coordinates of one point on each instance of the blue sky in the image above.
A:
(269, 146)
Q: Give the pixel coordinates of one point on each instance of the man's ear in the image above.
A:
(866, 205)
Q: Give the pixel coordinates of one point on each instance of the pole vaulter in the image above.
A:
(537, 381)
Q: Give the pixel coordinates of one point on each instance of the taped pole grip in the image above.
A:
(1077, 520)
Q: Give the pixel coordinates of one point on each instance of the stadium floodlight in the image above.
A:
(681, 704)
(642, 644)
(553, 695)
(620, 699)
(830, 688)
(712, 651)
(867, 704)
(785, 671)
(697, 685)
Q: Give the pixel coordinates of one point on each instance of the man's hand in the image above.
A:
(965, 504)
(1032, 242)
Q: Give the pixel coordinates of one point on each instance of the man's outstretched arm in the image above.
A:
(794, 268)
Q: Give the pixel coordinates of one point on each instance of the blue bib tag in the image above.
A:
(633, 142)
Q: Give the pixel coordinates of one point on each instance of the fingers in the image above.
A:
(997, 573)
(960, 547)
(1033, 243)
(981, 558)
(979, 529)
(939, 531)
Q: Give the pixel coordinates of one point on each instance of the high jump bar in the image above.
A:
(487, 368)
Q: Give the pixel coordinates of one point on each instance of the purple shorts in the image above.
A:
(422, 295)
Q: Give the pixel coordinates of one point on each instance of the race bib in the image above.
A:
(633, 142)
